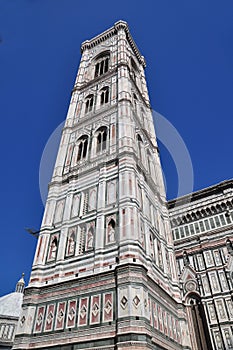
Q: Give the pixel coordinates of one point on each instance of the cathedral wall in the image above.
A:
(202, 231)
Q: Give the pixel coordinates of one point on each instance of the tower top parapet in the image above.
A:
(20, 285)
(119, 25)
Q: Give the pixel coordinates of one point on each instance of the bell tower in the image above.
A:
(104, 274)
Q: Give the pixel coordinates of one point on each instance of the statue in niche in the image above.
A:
(90, 238)
(53, 249)
(71, 244)
(111, 231)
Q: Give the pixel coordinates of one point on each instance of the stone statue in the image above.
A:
(71, 245)
(90, 238)
(111, 231)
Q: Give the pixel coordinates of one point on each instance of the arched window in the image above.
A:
(89, 103)
(82, 148)
(135, 99)
(104, 95)
(139, 143)
(134, 69)
(101, 139)
(102, 65)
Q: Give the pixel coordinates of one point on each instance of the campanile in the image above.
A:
(104, 274)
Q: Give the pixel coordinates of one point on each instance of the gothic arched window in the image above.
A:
(101, 139)
(134, 69)
(104, 95)
(102, 65)
(135, 99)
(89, 103)
(82, 148)
(139, 144)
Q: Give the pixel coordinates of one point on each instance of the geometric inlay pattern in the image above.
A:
(124, 302)
(95, 309)
(23, 319)
(39, 319)
(136, 301)
(49, 317)
(71, 314)
(60, 315)
(83, 311)
(108, 307)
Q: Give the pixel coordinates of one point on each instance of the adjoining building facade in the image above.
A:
(104, 274)
(202, 227)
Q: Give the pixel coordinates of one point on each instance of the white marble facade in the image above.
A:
(106, 211)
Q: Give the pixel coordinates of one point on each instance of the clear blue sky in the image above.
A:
(188, 48)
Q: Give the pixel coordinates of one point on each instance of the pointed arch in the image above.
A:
(101, 139)
(102, 63)
(82, 145)
(89, 103)
(139, 146)
(197, 322)
(104, 95)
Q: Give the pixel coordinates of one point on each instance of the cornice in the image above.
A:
(120, 25)
(91, 83)
(203, 193)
